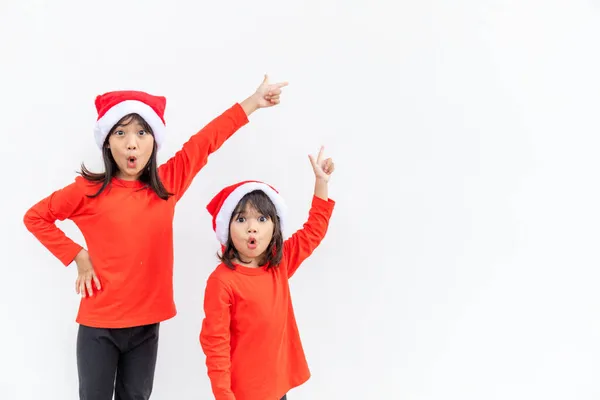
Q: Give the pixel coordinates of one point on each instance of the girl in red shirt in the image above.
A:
(249, 333)
(125, 276)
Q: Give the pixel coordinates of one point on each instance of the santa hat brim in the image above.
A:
(224, 215)
(111, 117)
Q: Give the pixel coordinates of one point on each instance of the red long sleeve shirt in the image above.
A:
(249, 332)
(128, 230)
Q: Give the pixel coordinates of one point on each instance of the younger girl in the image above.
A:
(126, 217)
(249, 333)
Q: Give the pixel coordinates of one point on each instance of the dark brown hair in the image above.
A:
(149, 175)
(258, 200)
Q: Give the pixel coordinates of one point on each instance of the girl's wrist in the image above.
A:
(250, 105)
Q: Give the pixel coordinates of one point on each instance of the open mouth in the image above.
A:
(252, 243)
(131, 162)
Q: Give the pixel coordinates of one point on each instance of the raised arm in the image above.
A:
(215, 337)
(304, 241)
(179, 171)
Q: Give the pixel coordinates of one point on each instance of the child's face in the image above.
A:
(131, 147)
(251, 232)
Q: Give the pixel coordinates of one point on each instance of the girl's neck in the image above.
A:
(249, 263)
(246, 263)
(126, 177)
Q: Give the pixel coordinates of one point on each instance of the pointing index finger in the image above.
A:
(320, 156)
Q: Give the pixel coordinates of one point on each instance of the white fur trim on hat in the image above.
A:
(112, 116)
(224, 216)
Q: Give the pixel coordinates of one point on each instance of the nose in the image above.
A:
(131, 142)
(251, 227)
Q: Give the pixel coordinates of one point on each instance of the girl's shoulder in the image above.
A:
(75, 189)
(85, 184)
(222, 272)
(220, 279)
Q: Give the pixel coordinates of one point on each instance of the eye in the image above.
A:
(240, 219)
(142, 132)
(119, 133)
(262, 218)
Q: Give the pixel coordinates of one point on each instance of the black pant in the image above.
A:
(116, 360)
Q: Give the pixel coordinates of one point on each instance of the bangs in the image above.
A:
(129, 118)
(259, 201)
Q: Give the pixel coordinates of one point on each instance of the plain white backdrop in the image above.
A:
(462, 259)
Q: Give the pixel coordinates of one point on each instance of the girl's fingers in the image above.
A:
(88, 285)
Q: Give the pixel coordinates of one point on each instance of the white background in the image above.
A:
(462, 258)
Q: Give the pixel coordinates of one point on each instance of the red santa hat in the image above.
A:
(113, 106)
(221, 207)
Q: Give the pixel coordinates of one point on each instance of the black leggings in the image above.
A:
(120, 361)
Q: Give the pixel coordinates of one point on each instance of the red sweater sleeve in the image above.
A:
(215, 337)
(304, 241)
(40, 220)
(179, 171)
